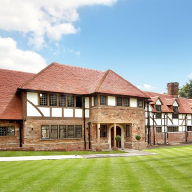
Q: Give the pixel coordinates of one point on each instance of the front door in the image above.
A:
(118, 132)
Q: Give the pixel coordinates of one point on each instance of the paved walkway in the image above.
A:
(130, 152)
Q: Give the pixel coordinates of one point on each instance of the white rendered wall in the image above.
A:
(169, 122)
(87, 102)
(170, 115)
(158, 102)
(56, 112)
(180, 122)
(31, 111)
(181, 128)
(175, 122)
(78, 113)
(45, 111)
(189, 122)
(158, 121)
(87, 113)
(175, 104)
(33, 97)
(133, 102)
(111, 101)
(68, 112)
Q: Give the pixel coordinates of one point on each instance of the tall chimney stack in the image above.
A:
(173, 89)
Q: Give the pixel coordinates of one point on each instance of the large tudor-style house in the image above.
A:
(72, 108)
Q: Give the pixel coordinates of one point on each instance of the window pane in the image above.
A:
(62, 131)
(119, 101)
(173, 129)
(127, 131)
(158, 115)
(2, 131)
(62, 100)
(78, 130)
(53, 100)
(126, 102)
(140, 103)
(175, 109)
(189, 128)
(158, 129)
(175, 115)
(70, 101)
(70, 131)
(103, 132)
(103, 100)
(54, 132)
(158, 107)
(45, 131)
(79, 102)
(95, 101)
(11, 131)
(43, 99)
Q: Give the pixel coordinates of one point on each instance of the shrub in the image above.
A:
(118, 138)
(138, 137)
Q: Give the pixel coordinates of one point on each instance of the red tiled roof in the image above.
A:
(115, 84)
(76, 80)
(164, 98)
(10, 103)
(185, 105)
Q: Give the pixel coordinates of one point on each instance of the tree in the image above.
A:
(186, 90)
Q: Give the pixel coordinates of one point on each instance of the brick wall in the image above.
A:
(32, 136)
(122, 116)
(9, 142)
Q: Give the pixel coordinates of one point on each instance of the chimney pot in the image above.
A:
(173, 89)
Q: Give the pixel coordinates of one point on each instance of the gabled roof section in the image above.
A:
(77, 80)
(115, 84)
(170, 101)
(153, 100)
(185, 105)
(10, 102)
(65, 79)
(164, 98)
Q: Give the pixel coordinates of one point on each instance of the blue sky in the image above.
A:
(148, 42)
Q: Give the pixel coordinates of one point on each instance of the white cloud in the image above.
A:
(38, 18)
(190, 76)
(146, 87)
(17, 59)
(72, 51)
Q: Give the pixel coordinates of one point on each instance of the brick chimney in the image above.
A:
(173, 89)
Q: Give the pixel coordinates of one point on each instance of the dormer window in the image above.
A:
(175, 113)
(158, 109)
(175, 109)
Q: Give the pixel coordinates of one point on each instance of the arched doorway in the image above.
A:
(119, 131)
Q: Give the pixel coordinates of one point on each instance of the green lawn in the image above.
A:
(169, 171)
(43, 153)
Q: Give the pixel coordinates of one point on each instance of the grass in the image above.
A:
(168, 171)
(43, 153)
